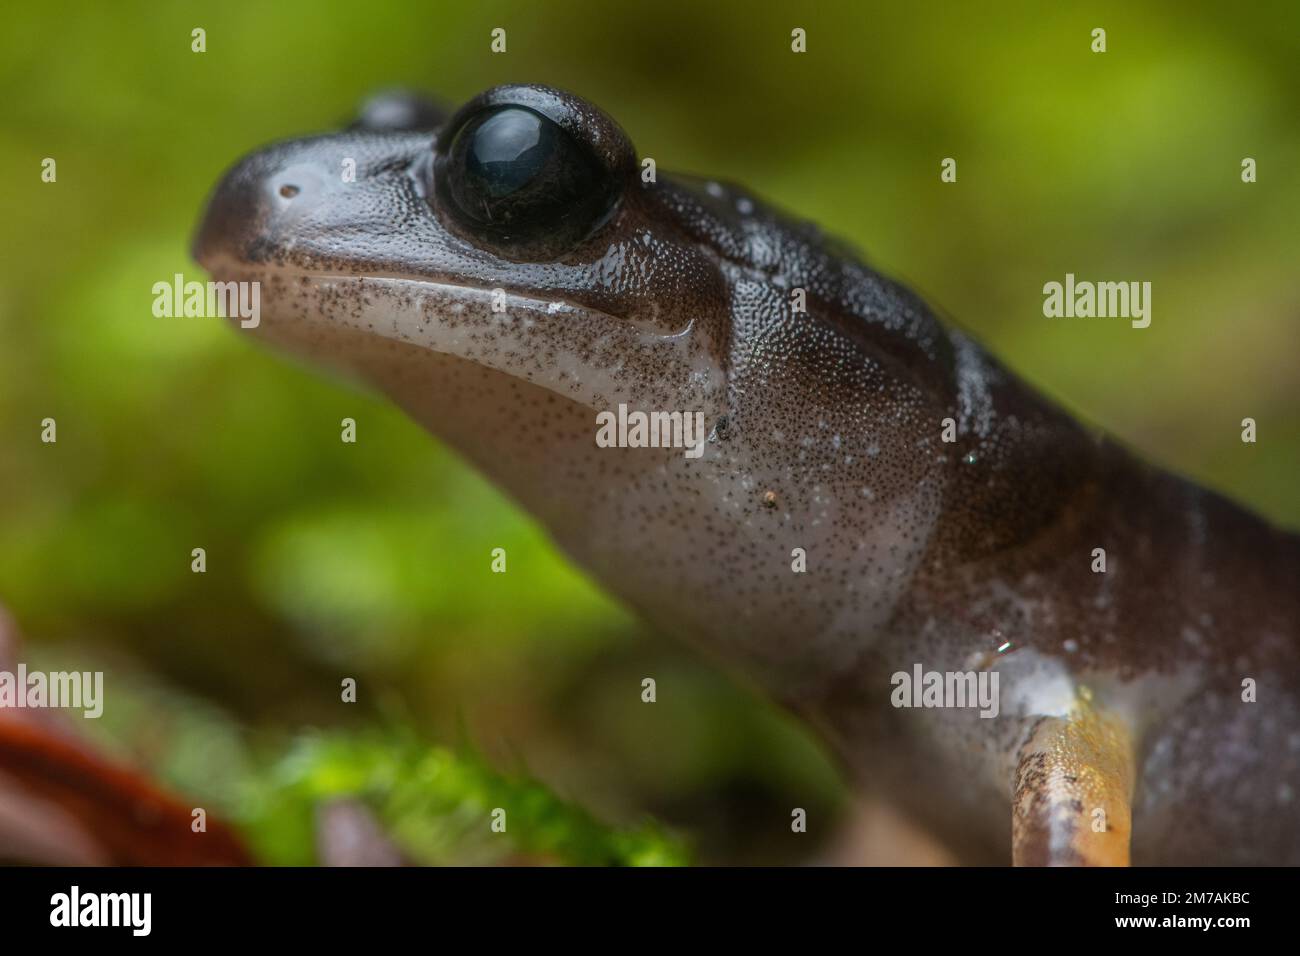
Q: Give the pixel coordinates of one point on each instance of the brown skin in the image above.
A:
(827, 435)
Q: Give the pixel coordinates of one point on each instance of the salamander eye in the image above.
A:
(515, 178)
(399, 110)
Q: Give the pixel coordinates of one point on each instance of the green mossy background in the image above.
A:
(328, 560)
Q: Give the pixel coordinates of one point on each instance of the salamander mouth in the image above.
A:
(580, 353)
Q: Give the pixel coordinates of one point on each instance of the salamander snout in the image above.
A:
(261, 203)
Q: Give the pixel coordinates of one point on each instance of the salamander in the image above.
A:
(879, 502)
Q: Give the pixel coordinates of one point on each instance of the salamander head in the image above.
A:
(514, 273)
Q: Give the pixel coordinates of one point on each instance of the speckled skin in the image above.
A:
(825, 435)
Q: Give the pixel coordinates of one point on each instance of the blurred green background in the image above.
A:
(327, 560)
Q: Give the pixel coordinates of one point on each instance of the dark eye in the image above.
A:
(399, 110)
(517, 179)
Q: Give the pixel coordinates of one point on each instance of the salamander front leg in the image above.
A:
(1073, 791)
